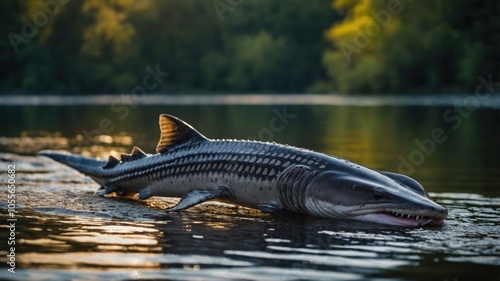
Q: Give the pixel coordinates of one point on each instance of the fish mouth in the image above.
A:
(385, 213)
(403, 218)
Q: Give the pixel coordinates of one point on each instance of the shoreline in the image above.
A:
(491, 101)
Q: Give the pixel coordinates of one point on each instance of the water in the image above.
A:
(65, 232)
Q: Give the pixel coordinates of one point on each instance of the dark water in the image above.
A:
(64, 231)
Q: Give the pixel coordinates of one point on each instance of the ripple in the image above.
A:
(331, 260)
(215, 274)
(83, 237)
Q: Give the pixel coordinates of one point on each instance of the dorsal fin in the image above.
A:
(112, 162)
(174, 131)
(136, 153)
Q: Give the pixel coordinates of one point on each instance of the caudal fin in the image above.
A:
(85, 165)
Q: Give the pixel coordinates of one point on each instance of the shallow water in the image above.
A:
(64, 231)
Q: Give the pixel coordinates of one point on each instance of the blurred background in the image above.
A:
(241, 46)
(408, 86)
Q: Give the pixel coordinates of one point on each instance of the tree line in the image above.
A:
(242, 46)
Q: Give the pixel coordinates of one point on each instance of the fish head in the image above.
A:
(370, 196)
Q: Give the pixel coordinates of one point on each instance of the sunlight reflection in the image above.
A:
(110, 259)
(109, 239)
(121, 229)
(105, 138)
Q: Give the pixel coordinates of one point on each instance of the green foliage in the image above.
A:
(423, 46)
(256, 59)
(11, 65)
(95, 46)
(104, 46)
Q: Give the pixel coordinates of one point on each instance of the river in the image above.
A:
(63, 231)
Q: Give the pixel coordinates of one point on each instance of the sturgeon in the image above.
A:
(267, 176)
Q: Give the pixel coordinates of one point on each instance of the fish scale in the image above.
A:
(267, 176)
(200, 160)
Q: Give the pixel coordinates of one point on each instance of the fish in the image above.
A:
(267, 176)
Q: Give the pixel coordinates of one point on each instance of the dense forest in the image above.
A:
(242, 46)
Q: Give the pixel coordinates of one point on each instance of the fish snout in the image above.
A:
(434, 207)
(431, 210)
(440, 210)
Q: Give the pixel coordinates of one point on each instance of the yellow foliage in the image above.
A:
(357, 17)
(34, 9)
(348, 29)
(360, 20)
(110, 26)
(344, 4)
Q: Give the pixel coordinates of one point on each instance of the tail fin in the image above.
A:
(85, 165)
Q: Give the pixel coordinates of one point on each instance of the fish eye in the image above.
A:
(377, 194)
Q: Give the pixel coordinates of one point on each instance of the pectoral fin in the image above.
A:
(199, 196)
(267, 208)
(145, 194)
(106, 190)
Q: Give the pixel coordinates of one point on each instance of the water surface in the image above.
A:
(64, 231)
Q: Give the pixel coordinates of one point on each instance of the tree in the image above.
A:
(389, 46)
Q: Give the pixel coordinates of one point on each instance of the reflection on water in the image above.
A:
(96, 146)
(228, 246)
(64, 231)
